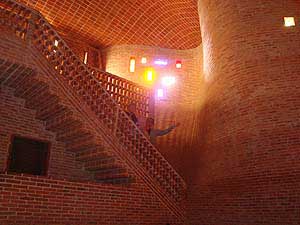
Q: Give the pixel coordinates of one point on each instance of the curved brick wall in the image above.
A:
(249, 148)
(170, 24)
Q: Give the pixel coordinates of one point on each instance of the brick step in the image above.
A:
(37, 90)
(104, 176)
(14, 75)
(63, 124)
(99, 164)
(63, 119)
(79, 146)
(32, 86)
(84, 137)
(3, 66)
(72, 134)
(119, 180)
(81, 143)
(24, 86)
(42, 99)
(75, 126)
(29, 88)
(98, 152)
(5, 73)
(48, 112)
(111, 173)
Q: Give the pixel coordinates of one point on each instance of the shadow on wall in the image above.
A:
(185, 148)
(179, 147)
(209, 157)
(193, 162)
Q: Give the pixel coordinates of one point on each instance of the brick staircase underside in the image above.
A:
(23, 68)
(62, 119)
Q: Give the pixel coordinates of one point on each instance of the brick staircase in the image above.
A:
(62, 120)
(79, 107)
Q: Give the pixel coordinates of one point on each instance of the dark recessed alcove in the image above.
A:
(28, 156)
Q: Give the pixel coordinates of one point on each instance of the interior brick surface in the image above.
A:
(15, 119)
(249, 148)
(238, 102)
(171, 24)
(55, 199)
(81, 46)
(37, 200)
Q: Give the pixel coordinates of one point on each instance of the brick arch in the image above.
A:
(168, 24)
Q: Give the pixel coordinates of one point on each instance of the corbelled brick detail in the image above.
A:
(15, 119)
(61, 118)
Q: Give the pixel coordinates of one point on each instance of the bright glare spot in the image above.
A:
(289, 21)
(85, 58)
(178, 64)
(150, 75)
(160, 93)
(55, 44)
(132, 65)
(161, 62)
(144, 60)
(168, 81)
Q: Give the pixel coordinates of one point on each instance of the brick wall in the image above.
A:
(55, 199)
(15, 119)
(249, 143)
(38, 200)
(79, 47)
(183, 100)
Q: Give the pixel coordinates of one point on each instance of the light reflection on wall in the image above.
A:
(176, 103)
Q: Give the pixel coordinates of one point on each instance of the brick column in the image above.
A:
(251, 66)
(250, 129)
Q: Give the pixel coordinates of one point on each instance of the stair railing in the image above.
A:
(32, 27)
(125, 92)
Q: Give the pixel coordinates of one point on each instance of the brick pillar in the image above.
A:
(252, 70)
(249, 141)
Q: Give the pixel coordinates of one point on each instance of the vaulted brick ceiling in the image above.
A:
(163, 23)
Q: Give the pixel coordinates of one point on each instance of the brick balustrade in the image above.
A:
(125, 92)
(104, 93)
